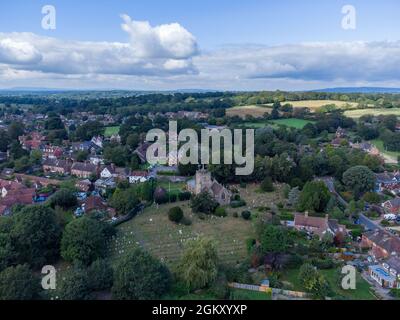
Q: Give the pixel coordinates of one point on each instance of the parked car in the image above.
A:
(390, 217)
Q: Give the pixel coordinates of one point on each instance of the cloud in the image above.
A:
(160, 51)
(164, 41)
(332, 61)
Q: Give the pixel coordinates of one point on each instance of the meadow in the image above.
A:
(355, 114)
(291, 122)
(256, 111)
(109, 131)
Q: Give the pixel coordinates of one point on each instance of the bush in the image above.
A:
(172, 198)
(175, 214)
(246, 215)
(184, 196)
(186, 221)
(235, 215)
(220, 212)
(238, 203)
(267, 185)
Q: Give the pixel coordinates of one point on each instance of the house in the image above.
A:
(84, 185)
(141, 151)
(366, 147)
(96, 160)
(341, 133)
(32, 141)
(386, 274)
(115, 172)
(318, 225)
(51, 152)
(387, 180)
(102, 185)
(138, 176)
(93, 203)
(38, 182)
(203, 182)
(8, 186)
(98, 141)
(382, 244)
(87, 146)
(84, 169)
(337, 142)
(22, 197)
(56, 166)
(392, 206)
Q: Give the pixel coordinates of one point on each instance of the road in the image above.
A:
(368, 223)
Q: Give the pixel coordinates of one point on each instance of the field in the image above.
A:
(109, 131)
(254, 198)
(362, 292)
(173, 188)
(379, 144)
(255, 111)
(164, 239)
(293, 123)
(373, 111)
(240, 294)
(313, 105)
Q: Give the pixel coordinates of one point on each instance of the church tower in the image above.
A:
(203, 180)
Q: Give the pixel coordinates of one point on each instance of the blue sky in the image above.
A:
(210, 30)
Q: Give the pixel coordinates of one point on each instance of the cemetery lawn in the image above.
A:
(152, 231)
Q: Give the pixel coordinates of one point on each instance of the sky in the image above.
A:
(200, 44)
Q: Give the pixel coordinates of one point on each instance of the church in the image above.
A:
(204, 182)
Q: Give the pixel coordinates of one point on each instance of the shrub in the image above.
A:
(246, 215)
(267, 185)
(238, 203)
(172, 198)
(175, 214)
(183, 196)
(186, 221)
(220, 212)
(235, 215)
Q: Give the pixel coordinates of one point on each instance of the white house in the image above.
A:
(138, 177)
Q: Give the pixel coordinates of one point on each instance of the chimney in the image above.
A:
(306, 214)
(326, 217)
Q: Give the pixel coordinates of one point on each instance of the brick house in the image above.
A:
(318, 225)
(56, 166)
(381, 244)
(392, 206)
(84, 170)
(51, 152)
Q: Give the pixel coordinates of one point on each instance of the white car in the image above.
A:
(390, 217)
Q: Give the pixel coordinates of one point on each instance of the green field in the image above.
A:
(293, 123)
(109, 131)
(152, 231)
(373, 111)
(240, 294)
(173, 188)
(362, 291)
(379, 144)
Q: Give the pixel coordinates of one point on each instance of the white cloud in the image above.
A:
(18, 52)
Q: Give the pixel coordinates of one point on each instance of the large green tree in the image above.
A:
(198, 267)
(18, 283)
(314, 196)
(139, 276)
(83, 241)
(359, 179)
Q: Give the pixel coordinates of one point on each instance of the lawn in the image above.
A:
(164, 239)
(362, 292)
(240, 294)
(373, 111)
(379, 144)
(292, 122)
(109, 131)
(173, 188)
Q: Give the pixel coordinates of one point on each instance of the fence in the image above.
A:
(289, 293)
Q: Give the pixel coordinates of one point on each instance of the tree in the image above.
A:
(4, 140)
(18, 283)
(124, 200)
(15, 129)
(314, 196)
(274, 240)
(312, 281)
(74, 285)
(64, 198)
(83, 241)
(203, 202)
(175, 214)
(198, 266)
(267, 185)
(82, 156)
(139, 276)
(35, 235)
(160, 195)
(359, 179)
(100, 275)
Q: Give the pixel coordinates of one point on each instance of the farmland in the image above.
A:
(164, 239)
(355, 114)
(255, 111)
(292, 123)
(314, 105)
